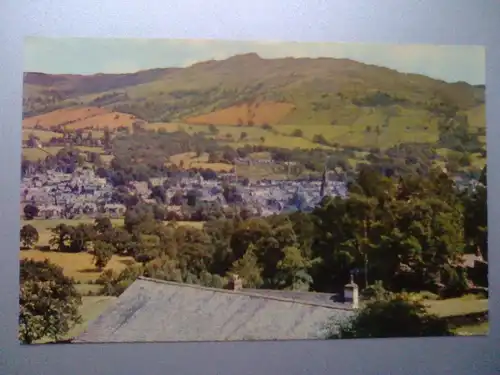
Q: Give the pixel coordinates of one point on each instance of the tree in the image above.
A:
(140, 215)
(61, 237)
(114, 285)
(48, 302)
(372, 183)
(30, 211)
(81, 237)
(332, 230)
(103, 224)
(212, 157)
(102, 254)
(163, 268)
(320, 139)
(191, 197)
(159, 193)
(212, 129)
(29, 235)
(362, 224)
(393, 316)
(146, 248)
(107, 138)
(303, 227)
(247, 267)
(246, 233)
(476, 216)
(177, 199)
(220, 232)
(292, 270)
(195, 252)
(271, 238)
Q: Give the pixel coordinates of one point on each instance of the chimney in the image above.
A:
(479, 255)
(351, 293)
(235, 282)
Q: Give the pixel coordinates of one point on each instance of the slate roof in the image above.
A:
(153, 310)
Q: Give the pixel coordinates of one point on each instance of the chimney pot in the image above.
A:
(236, 283)
(351, 293)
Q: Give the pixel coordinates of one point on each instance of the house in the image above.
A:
(50, 211)
(477, 268)
(115, 209)
(154, 310)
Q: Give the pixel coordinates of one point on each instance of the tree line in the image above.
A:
(406, 234)
(145, 153)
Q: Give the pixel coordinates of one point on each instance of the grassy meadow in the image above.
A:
(91, 308)
(465, 306)
(80, 265)
(35, 154)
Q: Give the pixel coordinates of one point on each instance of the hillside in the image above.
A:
(320, 91)
(289, 102)
(51, 91)
(80, 118)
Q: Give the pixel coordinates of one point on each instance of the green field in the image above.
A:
(42, 135)
(367, 132)
(43, 226)
(479, 329)
(46, 224)
(456, 307)
(90, 309)
(80, 265)
(35, 154)
(255, 171)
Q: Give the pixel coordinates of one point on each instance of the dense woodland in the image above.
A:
(407, 233)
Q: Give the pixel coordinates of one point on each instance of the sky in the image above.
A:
(103, 55)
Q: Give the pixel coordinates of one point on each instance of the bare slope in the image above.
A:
(80, 118)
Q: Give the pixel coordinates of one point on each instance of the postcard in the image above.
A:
(216, 190)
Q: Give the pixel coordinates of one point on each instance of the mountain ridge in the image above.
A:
(322, 91)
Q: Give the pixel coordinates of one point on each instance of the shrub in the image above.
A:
(394, 316)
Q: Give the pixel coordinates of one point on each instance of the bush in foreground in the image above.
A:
(397, 315)
(48, 302)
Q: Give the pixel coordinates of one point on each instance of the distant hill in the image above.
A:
(248, 90)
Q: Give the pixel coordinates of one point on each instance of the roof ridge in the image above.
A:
(244, 293)
(292, 291)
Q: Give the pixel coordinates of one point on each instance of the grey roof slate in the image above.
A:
(153, 310)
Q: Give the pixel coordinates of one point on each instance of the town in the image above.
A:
(59, 195)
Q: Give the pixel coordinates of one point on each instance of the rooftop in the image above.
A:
(155, 310)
